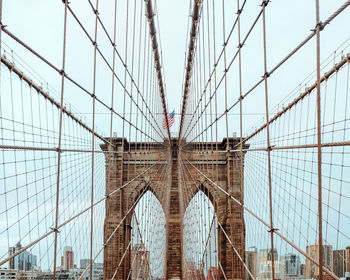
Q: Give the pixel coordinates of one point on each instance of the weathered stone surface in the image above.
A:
(223, 168)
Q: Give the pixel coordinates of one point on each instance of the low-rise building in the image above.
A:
(13, 274)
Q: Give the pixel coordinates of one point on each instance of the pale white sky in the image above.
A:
(39, 24)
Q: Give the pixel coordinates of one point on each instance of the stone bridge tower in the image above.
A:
(121, 167)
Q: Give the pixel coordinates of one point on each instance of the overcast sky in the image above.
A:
(39, 24)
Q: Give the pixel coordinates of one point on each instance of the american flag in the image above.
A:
(171, 119)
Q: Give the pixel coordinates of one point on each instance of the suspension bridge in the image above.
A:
(249, 178)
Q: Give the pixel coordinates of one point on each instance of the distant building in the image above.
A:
(303, 271)
(24, 261)
(97, 274)
(347, 257)
(339, 262)
(12, 274)
(84, 263)
(73, 274)
(67, 260)
(312, 271)
(292, 266)
(26, 275)
(140, 262)
(251, 260)
(97, 269)
(9, 274)
(44, 275)
(265, 264)
(213, 273)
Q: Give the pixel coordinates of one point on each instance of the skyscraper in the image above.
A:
(251, 261)
(312, 271)
(265, 264)
(339, 262)
(24, 261)
(292, 266)
(347, 257)
(67, 260)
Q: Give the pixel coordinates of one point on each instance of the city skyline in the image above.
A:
(175, 139)
(291, 262)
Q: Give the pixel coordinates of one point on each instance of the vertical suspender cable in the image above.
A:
(240, 125)
(264, 4)
(93, 144)
(60, 136)
(319, 150)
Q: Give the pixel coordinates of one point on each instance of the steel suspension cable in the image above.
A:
(268, 73)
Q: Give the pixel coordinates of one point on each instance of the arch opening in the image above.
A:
(200, 239)
(148, 238)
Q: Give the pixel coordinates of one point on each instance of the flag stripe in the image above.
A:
(171, 120)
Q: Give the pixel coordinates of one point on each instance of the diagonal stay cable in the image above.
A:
(215, 215)
(127, 213)
(268, 74)
(122, 61)
(324, 78)
(261, 220)
(25, 78)
(4, 29)
(79, 214)
(114, 72)
(239, 12)
(116, 51)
